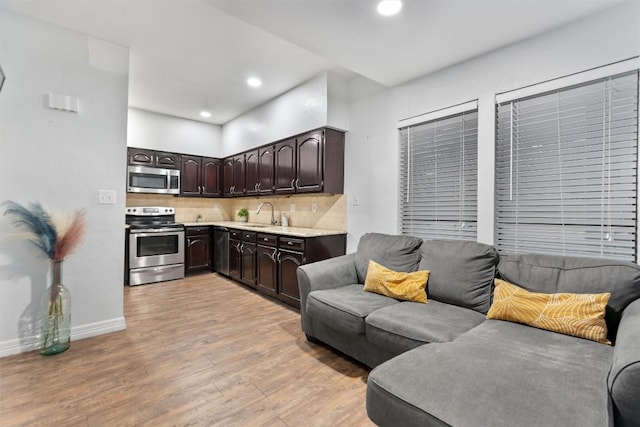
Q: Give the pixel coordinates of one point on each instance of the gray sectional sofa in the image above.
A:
(445, 364)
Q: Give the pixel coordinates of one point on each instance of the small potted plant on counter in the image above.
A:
(243, 214)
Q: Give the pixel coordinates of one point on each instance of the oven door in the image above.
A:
(151, 248)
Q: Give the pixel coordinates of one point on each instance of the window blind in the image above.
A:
(566, 170)
(438, 178)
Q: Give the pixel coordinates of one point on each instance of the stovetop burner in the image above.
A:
(151, 218)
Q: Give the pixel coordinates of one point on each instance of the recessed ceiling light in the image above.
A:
(205, 114)
(254, 82)
(389, 7)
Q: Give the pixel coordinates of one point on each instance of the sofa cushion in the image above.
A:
(578, 315)
(552, 273)
(396, 284)
(497, 374)
(408, 325)
(346, 307)
(399, 253)
(461, 273)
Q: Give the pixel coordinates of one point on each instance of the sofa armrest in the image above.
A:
(624, 376)
(326, 274)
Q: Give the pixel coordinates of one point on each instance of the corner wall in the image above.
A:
(371, 169)
(61, 159)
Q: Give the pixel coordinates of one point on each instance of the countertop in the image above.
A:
(271, 229)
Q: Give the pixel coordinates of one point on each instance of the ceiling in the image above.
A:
(193, 55)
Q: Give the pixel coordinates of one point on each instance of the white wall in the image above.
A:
(298, 110)
(61, 159)
(167, 133)
(371, 169)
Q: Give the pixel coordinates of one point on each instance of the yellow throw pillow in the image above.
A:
(394, 284)
(579, 315)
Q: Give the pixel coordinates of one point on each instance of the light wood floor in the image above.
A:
(202, 351)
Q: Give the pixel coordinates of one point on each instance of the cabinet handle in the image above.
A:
(293, 183)
(255, 187)
(279, 253)
(266, 239)
(297, 179)
(201, 189)
(259, 185)
(289, 243)
(273, 255)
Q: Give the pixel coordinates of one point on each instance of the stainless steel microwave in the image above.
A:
(143, 179)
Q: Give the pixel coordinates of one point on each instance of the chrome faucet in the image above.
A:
(273, 218)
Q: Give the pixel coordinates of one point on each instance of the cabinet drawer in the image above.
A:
(249, 236)
(267, 239)
(291, 243)
(192, 231)
(235, 234)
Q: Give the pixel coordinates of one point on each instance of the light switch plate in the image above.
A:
(107, 197)
(314, 208)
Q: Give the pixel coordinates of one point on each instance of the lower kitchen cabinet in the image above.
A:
(288, 263)
(267, 275)
(242, 256)
(278, 258)
(197, 249)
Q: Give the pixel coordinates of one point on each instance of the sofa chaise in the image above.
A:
(444, 363)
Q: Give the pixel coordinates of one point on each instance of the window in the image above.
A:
(438, 178)
(566, 170)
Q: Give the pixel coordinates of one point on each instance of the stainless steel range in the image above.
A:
(156, 245)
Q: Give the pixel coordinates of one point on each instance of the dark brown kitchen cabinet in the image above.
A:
(288, 263)
(238, 175)
(233, 179)
(259, 171)
(252, 172)
(266, 255)
(198, 249)
(227, 177)
(285, 166)
(235, 259)
(278, 257)
(265, 170)
(242, 256)
(200, 176)
(152, 158)
(310, 163)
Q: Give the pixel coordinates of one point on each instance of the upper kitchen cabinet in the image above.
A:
(259, 171)
(152, 158)
(200, 176)
(285, 166)
(310, 163)
(233, 176)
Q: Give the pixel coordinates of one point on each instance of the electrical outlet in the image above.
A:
(292, 207)
(356, 201)
(107, 197)
(314, 208)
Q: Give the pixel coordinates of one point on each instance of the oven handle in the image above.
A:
(156, 232)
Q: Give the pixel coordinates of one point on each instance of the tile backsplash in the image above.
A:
(330, 209)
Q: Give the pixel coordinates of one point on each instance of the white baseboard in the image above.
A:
(22, 345)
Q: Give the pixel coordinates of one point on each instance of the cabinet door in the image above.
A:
(227, 177)
(267, 277)
(190, 176)
(235, 259)
(285, 167)
(309, 163)
(167, 160)
(248, 254)
(198, 253)
(251, 173)
(238, 175)
(288, 263)
(138, 156)
(265, 170)
(210, 177)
